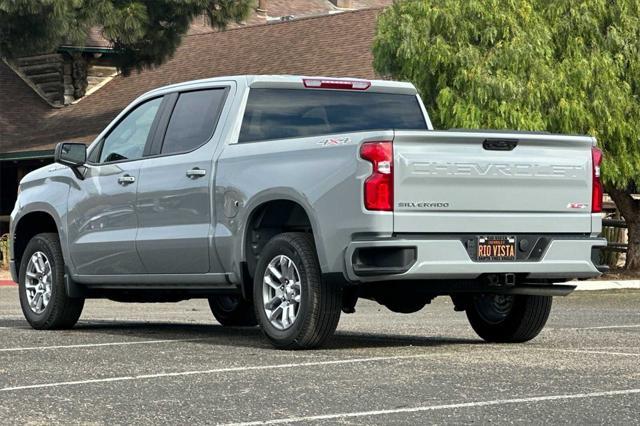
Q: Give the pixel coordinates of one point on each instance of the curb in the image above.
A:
(607, 285)
(6, 283)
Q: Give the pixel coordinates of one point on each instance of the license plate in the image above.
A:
(496, 249)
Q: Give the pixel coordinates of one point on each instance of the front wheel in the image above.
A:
(508, 319)
(295, 307)
(43, 296)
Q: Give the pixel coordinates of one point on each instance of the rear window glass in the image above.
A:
(291, 113)
(193, 120)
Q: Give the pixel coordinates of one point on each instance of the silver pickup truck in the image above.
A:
(283, 199)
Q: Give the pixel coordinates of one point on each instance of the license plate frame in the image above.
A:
(496, 248)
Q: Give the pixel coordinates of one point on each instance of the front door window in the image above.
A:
(127, 140)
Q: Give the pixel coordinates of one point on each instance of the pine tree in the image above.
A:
(144, 33)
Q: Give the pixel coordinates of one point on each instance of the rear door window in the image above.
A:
(193, 120)
(293, 113)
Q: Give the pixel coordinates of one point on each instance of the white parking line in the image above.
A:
(441, 407)
(224, 370)
(96, 345)
(603, 327)
(273, 366)
(587, 351)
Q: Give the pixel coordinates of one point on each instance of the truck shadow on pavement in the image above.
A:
(217, 335)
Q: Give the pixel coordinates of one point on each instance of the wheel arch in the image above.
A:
(29, 225)
(279, 212)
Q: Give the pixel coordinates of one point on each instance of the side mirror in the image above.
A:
(71, 154)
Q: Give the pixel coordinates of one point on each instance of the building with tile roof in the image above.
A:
(336, 44)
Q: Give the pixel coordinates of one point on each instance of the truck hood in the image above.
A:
(45, 172)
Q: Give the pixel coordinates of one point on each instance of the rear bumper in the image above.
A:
(439, 258)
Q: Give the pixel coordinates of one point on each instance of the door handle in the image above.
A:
(196, 173)
(126, 180)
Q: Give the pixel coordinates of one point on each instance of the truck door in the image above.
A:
(102, 216)
(175, 200)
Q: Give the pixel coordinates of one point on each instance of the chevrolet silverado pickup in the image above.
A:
(283, 200)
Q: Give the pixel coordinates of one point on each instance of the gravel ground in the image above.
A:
(157, 363)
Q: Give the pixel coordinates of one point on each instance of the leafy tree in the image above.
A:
(145, 33)
(560, 66)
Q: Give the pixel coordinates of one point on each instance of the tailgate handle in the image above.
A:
(499, 144)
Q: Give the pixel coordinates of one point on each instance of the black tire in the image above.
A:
(521, 321)
(320, 302)
(233, 311)
(62, 311)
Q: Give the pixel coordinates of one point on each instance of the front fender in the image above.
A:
(47, 195)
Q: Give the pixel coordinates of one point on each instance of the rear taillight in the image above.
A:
(378, 188)
(596, 191)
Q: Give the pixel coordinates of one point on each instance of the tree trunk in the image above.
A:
(630, 210)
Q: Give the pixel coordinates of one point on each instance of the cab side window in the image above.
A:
(127, 140)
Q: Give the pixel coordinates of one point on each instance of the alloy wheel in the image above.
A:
(38, 282)
(281, 292)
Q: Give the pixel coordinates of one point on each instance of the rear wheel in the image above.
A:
(508, 319)
(232, 311)
(43, 296)
(295, 307)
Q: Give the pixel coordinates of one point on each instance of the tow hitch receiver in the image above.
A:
(501, 280)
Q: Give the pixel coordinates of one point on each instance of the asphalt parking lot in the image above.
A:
(155, 363)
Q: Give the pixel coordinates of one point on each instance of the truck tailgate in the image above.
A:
(485, 182)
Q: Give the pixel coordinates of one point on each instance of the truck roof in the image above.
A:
(295, 82)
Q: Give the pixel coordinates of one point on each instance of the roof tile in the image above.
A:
(331, 45)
